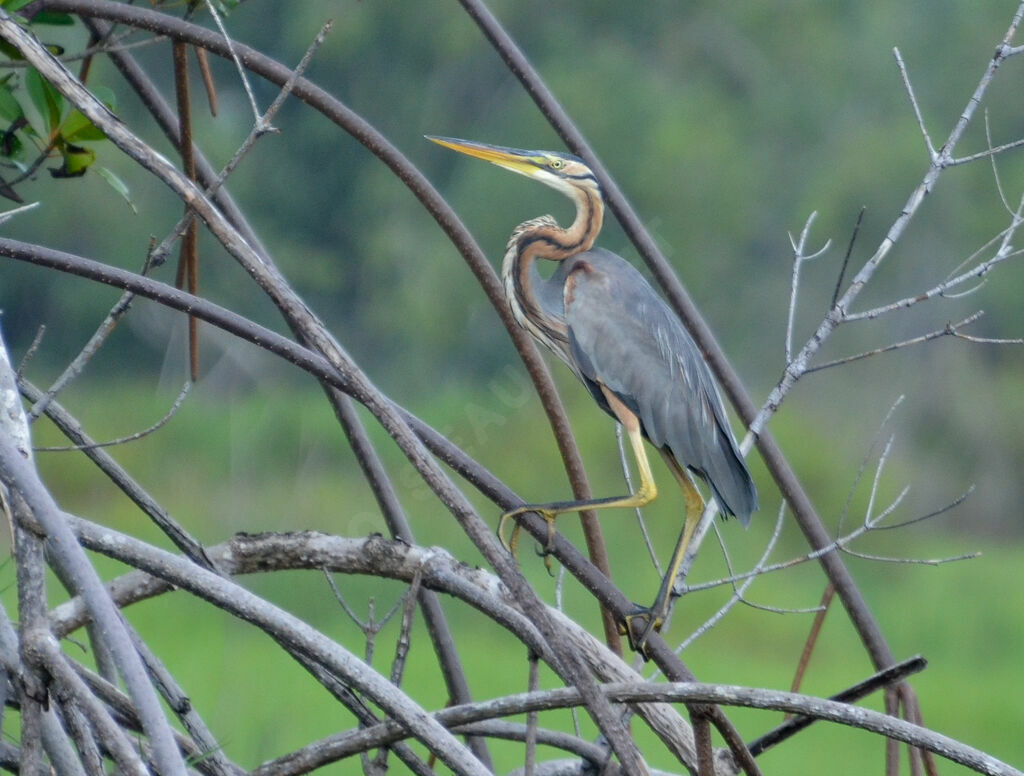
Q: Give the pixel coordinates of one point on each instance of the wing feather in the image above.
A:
(622, 335)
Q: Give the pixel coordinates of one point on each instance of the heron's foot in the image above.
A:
(512, 544)
(638, 626)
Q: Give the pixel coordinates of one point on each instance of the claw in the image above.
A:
(637, 627)
(512, 544)
(549, 518)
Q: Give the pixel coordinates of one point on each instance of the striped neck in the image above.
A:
(544, 238)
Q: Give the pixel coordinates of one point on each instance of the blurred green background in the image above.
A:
(727, 125)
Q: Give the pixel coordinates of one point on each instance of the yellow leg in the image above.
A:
(655, 616)
(646, 493)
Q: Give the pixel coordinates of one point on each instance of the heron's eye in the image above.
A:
(556, 164)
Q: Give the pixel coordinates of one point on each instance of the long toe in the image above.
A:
(637, 627)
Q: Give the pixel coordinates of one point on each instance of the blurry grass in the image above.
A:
(251, 463)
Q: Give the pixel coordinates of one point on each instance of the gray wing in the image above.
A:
(622, 335)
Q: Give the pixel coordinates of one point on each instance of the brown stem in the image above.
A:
(204, 69)
(812, 637)
(188, 262)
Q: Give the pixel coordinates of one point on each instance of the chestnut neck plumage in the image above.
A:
(543, 238)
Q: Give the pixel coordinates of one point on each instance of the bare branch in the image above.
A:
(990, 152)
(78, 364)
(261, 127)
(995, 167)
(846, 258)
(287, 628)
(238, 64)
(7, 215)
(65, 552)
(798, 259)
(43, 647)
(942, 289)
(817, 708)
(117, 474)
(889, 676)
(739, 592)
(932, 153)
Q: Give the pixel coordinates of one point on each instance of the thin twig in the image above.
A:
(991, 152)
(72, 429)
(846, 257)
(798, 259)
(238, 63)
(913, 561)
(405, 631)
(932, 154)
(794, 724)
(738, 591)
(204, 69)
(30, 353)
(79, 362)
(113, 47)
(259, 129)
(949, 330)
(995, 168)
(862, 467)
(7, 215)
(812, 638)
(879, 467)
(125, 439)
(942, 289)
(533, 684)
(402, 645)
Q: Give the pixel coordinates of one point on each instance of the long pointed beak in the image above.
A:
(514, 159)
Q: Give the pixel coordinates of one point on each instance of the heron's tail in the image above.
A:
(733, 486)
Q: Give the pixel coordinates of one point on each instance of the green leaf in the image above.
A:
(14, 5)
(77, 160)
(53, 18)
(47, 100)
(10, 52)
(10, 144)
(10, 108)
(78, 128)
(117, 185)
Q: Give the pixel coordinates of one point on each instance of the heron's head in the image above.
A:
(563, 172)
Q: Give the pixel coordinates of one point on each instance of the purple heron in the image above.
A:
(599, 315)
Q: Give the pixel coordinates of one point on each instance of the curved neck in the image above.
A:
(544, 238)
(550, 241)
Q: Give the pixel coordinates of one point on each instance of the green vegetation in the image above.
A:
(262, 464)
(726, 125)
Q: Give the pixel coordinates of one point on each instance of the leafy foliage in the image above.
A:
(49, 126)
